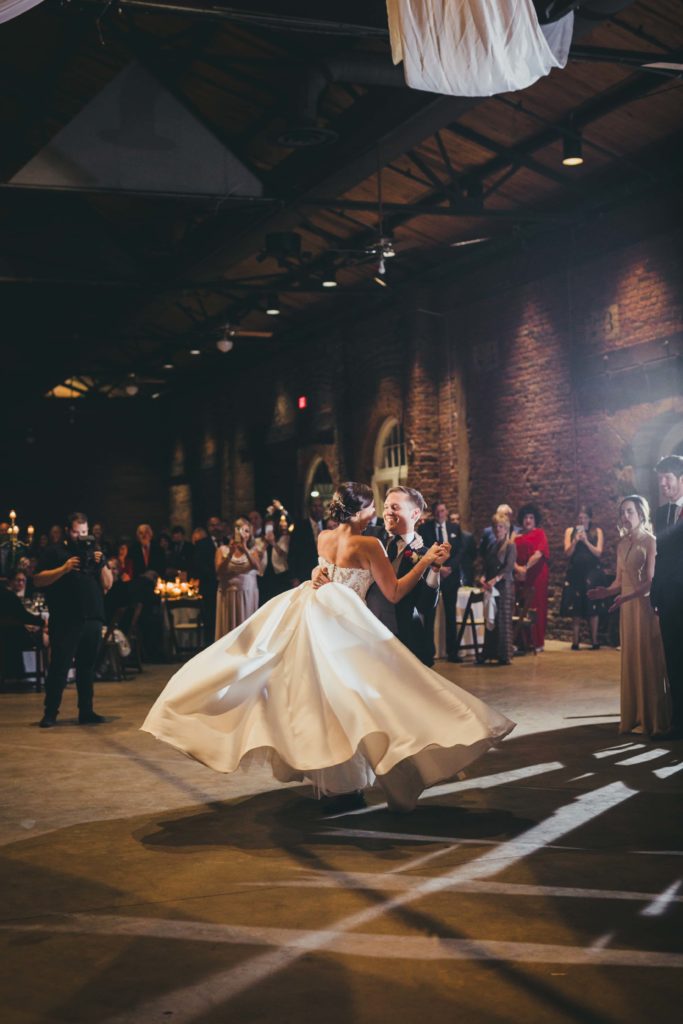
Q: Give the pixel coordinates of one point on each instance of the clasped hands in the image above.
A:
(435, 556)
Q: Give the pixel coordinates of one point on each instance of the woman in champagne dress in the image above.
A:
(645, 699)
(314, 684)
(238, 567)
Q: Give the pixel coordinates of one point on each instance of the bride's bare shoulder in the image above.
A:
(370, 545)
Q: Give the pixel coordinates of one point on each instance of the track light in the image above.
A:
(225, 344)
(272, 305)
(572, 155)
(330, 279)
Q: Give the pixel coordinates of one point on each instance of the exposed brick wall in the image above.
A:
(541, 377)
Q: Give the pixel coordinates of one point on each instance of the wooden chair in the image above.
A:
(191, 628)
(468, 619)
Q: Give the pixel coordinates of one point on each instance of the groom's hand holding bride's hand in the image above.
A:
(443, 553)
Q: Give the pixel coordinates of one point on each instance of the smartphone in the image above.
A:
(268, 529)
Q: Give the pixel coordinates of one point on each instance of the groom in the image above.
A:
(403, 506)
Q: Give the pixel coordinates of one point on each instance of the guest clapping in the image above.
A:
(531, 569)
(645, 701)
(239, 563)
(583, 545)
(275, 579)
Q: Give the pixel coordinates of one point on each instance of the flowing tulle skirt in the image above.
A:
(316, 684)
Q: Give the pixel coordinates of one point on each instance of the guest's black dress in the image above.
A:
(583, 573)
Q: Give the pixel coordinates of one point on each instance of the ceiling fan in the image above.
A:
(382, 246)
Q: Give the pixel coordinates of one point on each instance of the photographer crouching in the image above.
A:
(75, 577)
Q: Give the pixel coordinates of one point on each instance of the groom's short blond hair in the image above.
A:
(414, 497)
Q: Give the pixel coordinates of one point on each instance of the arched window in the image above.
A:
(390, 461)
(318, 483)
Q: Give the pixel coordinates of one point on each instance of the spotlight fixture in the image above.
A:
(572, 155)
(195, 352)
(225, 344)
(330, 278)
(272, 305)
(388, 251)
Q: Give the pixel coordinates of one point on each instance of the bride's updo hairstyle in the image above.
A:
(348, 499)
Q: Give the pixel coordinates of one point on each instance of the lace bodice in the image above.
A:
(358, 580)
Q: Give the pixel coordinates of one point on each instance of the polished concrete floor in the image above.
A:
(546, 886)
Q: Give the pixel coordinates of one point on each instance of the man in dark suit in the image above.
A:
(457, 571)
(203, 568)
(669, 472)
(180, 553)
(375, 527)
(666, 595)
(303, 546)
(146, 554)
(403, 506)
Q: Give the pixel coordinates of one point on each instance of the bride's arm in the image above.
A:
(383, 572)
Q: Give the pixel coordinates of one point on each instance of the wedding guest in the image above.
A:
(275, 578)
(645, 699)
(204, 567)
(146, 554)
(101, 540)
(239, 563)
(531, 569)
(256, 520)
(18, 626)
(165, 544)
(499, 574)
(456, 571)
(666, 596)
(20, 583)
(124, 563)
(303, 548)
(180, 555)
(488, 534)
(669, 472)
(583, 545)
(56, 534)
(332, 524)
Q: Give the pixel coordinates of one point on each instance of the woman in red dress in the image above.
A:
(531, 568)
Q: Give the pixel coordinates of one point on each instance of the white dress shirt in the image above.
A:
(432, 577)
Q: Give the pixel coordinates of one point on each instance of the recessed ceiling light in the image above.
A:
(195, 352)
(168, 366)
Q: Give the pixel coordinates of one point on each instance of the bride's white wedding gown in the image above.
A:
(314, 683)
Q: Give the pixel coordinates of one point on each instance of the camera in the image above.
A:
(86, 548)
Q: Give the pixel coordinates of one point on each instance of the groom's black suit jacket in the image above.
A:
(405, 619)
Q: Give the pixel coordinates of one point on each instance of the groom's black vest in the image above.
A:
(406, 619)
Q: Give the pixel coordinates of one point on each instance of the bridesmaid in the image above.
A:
(238, 566)
(645, 699)
(531, 568)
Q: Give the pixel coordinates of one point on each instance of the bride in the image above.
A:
(322, 690)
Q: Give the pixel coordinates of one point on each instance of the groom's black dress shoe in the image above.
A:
(47, 721)
(344, 802)
(90, 718)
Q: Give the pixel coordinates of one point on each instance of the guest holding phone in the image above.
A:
(239, 563)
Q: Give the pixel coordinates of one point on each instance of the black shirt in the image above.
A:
(78, 594)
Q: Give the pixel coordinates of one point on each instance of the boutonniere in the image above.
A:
(414, 550)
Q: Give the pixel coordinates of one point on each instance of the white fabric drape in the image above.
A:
(475, 47)
(13, 8)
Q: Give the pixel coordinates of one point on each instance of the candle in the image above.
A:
(30, 531)
(13, 516)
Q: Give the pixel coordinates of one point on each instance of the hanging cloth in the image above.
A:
(475, 47)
